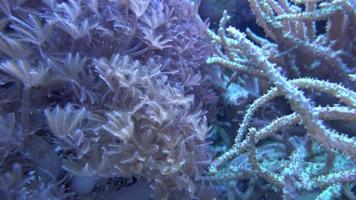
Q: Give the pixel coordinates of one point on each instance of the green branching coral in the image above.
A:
(309, 160)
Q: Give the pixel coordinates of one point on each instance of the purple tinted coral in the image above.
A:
(149, 130)
(114, 99)
(93, 90)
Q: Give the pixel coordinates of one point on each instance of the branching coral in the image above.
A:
(294, 31)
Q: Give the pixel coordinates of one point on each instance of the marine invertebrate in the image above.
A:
(105, 99)
(263, 59)
(102, 89)
(149, 134)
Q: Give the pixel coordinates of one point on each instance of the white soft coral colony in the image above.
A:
(91, 94)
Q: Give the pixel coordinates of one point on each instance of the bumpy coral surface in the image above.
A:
(301, 149)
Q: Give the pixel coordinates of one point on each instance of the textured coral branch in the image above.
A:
(346, 96)
(348, 176)
(235, 66)
(328, 113)
(310, 16)
(269, 176)
(332, 192)
(293, 46)
(298, 101)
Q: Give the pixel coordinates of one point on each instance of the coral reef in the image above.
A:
(139, 99)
